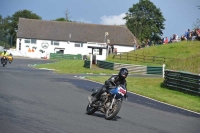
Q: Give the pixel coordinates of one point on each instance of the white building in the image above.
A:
(39, 38)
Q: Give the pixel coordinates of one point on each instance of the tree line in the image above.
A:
(9, 26)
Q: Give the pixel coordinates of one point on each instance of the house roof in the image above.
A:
(72, 31)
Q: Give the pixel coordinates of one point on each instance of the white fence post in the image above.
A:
(91, 61)
(163, 70)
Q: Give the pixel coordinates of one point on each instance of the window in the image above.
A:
(27, 41)
(32, 41)
(96, 51)
(55, 43)
(78, 45)
(60, 52)
(100, 51)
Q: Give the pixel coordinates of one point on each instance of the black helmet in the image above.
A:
(123, 73)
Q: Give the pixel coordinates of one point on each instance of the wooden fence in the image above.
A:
(140, 58)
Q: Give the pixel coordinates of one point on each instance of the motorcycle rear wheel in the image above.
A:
(90, 110)
(111, 113)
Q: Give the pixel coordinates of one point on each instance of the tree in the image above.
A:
(13, 21)
(1, 28)
(196, 24)
(60, 19)
(145, 21)
(4, 29)
(2, 38)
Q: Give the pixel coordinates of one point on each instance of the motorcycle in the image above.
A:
(10, 58)
(4, 61)
(109, 103)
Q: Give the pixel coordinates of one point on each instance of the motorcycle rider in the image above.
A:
(3, 54)
(119, 79)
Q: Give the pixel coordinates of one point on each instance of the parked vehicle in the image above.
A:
(109, 103)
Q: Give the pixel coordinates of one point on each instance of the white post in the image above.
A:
(163, 70)
(91, 61)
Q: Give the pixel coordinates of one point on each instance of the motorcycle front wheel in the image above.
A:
(111, 113)
(90, 110)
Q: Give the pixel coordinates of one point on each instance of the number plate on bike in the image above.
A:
(121, 91)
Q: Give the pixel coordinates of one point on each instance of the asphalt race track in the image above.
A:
(41, 101)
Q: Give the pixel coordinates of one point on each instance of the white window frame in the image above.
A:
(27, 41)
(56, 43)
(96, 51)
(30, 41)
(78, 45)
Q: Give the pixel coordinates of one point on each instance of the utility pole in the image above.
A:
(67, 15)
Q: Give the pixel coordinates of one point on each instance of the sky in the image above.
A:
(180, 15)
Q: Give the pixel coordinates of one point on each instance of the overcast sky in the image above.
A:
(179, 14)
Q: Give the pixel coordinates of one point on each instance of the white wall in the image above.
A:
(103, 56)
(124, 48)
(69, 48)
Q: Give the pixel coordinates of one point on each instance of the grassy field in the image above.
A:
(186, 56)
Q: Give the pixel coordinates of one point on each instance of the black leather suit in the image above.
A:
(109, 84)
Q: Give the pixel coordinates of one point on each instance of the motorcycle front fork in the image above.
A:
(113, 100)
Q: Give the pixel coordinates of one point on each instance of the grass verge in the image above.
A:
(74, 67)
(151, 87)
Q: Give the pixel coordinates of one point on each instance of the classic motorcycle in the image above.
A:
(109, 103)
(10, 58)
(4, 61)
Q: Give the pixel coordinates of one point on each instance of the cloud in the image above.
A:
(113, 20)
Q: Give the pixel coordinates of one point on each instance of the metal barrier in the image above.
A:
(86, 64)
(132, 68)
(154, 70)
(65, 56)
(183, 81)
(105, 64)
